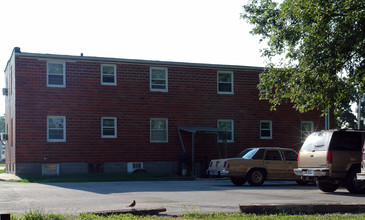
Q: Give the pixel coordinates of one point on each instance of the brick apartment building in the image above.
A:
(78, 114)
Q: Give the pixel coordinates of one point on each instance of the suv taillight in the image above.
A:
(329, 157)
(298, 158)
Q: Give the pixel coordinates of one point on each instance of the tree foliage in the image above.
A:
(2, 123)
(321, 46)
(345, 118)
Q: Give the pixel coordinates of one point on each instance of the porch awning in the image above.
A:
(206, 130)
(202, 130)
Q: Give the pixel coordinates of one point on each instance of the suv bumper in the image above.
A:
(361, 176)
(311, 172)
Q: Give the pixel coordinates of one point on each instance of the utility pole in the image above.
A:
(361, 99)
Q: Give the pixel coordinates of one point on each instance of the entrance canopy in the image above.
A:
(202, 130)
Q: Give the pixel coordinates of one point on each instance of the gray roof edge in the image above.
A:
(137, 61)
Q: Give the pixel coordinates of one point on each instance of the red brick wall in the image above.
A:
(191, 100)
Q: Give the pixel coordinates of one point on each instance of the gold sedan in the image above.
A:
(255, 165)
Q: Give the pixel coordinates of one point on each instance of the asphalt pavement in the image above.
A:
(177, 197)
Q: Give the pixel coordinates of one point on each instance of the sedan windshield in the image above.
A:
(248, 153)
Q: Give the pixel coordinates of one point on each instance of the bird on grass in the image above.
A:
(132, 204)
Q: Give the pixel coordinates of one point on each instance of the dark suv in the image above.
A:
(332, 158)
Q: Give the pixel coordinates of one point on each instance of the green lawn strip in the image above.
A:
(83, 216)
(2, 165)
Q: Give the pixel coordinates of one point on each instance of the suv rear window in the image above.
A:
(346, 141)
(316, 141)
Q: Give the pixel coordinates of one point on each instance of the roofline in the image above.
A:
(137, 61)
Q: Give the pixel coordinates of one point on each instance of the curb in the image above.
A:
(7, 177)
(133, 211)
(313, 208)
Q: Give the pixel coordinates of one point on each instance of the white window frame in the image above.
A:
(303, 136)
(166, 131)
(115, 74)
(231, 130)
(115, 127)
(166, 80)
(64, 129)
(270, 129)
(45, 173)
(63, 74)
(232, 82)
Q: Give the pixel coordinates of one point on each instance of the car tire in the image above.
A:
(352, 184)
(238, 181)
(256, 177)
(327, 186)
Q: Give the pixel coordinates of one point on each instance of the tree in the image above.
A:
(2, 123)
(345, 118)
(321, 50)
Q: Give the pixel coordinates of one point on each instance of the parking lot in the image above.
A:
(204, 195)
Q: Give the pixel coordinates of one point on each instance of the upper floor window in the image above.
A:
(108, 127)
(226, 125)
(108, 74)
(56, 74)
(265, 129)
(306, 128)
(56, 128)
(159, 130)
(158, 79)
(225, 82)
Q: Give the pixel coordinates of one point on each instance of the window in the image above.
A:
(56, 74)
(306, 128)
(50, 169)
(265, 129)
(108, 127)
(346, 141)
(290, 155)
(56, 128)
(159, 130)
(108, 74)
(225, 82)
(11, 81)
(226, 125)
(158, 79)
(272, 155)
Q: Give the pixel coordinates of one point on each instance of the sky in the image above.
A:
(196, 31)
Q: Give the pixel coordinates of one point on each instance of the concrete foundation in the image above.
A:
(36, 169)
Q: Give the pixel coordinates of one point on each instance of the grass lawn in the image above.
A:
(2, 165)
(40, 216)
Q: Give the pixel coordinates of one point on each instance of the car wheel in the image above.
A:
(302, 182)
(352, 184)
(256, 177)
(238, 181)
(327, 186)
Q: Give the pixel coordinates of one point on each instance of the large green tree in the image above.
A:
(315, 51)
(2, 123)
